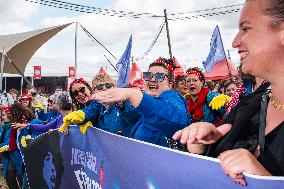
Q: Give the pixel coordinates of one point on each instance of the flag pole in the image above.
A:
(76, 30)
(2, 69)
(168, 34)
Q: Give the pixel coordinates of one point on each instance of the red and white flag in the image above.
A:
(135, 76)
(37, 72)
(72, 71)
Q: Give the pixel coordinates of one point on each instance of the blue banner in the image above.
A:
(123, 66)
(100, 160)
(217, 52)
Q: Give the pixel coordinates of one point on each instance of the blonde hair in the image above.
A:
(102, 77)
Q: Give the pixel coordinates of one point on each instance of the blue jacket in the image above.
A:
(161, 117)
(92, 112)
(116, 119)
(14, 156)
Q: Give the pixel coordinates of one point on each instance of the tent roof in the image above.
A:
(220, 71)
(21, 47)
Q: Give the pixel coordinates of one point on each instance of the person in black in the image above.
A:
(251, 140)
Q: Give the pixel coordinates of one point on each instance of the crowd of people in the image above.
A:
(238, 120)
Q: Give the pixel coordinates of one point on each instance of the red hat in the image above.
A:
(25, 96)
(7, 110)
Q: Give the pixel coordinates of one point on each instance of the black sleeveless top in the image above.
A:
(245, 119)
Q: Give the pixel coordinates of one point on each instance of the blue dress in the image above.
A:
(161, 117)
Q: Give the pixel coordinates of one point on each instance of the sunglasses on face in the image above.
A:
(101, 86)
(147, 76)
(81, 90)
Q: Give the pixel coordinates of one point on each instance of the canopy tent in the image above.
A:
(20, 47)
(221, 71)
(180, 69)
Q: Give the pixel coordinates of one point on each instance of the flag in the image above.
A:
(135, 73)
(123, 66)
(37, 72)
(217, 52)
(135, 77)
(71, 71)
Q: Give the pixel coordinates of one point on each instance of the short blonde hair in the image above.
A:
(102, 77)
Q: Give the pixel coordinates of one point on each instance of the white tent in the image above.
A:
(20, 47)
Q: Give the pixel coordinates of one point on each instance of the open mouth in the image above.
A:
(82, 97)
(153, 87)
(192, 88)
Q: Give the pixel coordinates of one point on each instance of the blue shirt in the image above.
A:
(161, 117)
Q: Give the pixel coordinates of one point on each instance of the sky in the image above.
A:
(190, 38)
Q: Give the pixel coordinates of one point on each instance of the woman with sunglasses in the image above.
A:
(203, 104)
(163, 111)
(118, 118)
(88, 111)
(112, 119)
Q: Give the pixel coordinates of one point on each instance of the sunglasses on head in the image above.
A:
(101, 86)
(147, 76)
(81, 90)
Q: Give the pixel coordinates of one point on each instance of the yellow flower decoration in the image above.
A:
(75, 117)
(39, 106)
(24, 140)
(4, 148)
(186, 96)
(83, 128)
(219, 101)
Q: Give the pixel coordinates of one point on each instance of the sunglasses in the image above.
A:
(147, 76)
(81, 90)
(101, 86)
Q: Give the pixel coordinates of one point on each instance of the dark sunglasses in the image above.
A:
(81, 90)
(147, 76)
(101, 86)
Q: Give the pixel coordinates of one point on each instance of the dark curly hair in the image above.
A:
(18, 110)
(74, 101)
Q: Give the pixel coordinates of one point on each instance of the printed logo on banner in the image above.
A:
(87, 160)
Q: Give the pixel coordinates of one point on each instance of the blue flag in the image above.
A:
(217, 52)
(123, 66)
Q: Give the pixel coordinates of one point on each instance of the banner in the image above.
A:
(71, 72)
(37, 72)
(100, 160)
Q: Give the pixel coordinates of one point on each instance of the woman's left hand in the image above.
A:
(239, 161)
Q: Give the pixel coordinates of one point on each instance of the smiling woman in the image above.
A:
(251, 141)
(163, 110)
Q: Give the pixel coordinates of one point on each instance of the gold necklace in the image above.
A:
(275, 104)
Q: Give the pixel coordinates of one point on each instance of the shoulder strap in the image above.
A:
(262, 119)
